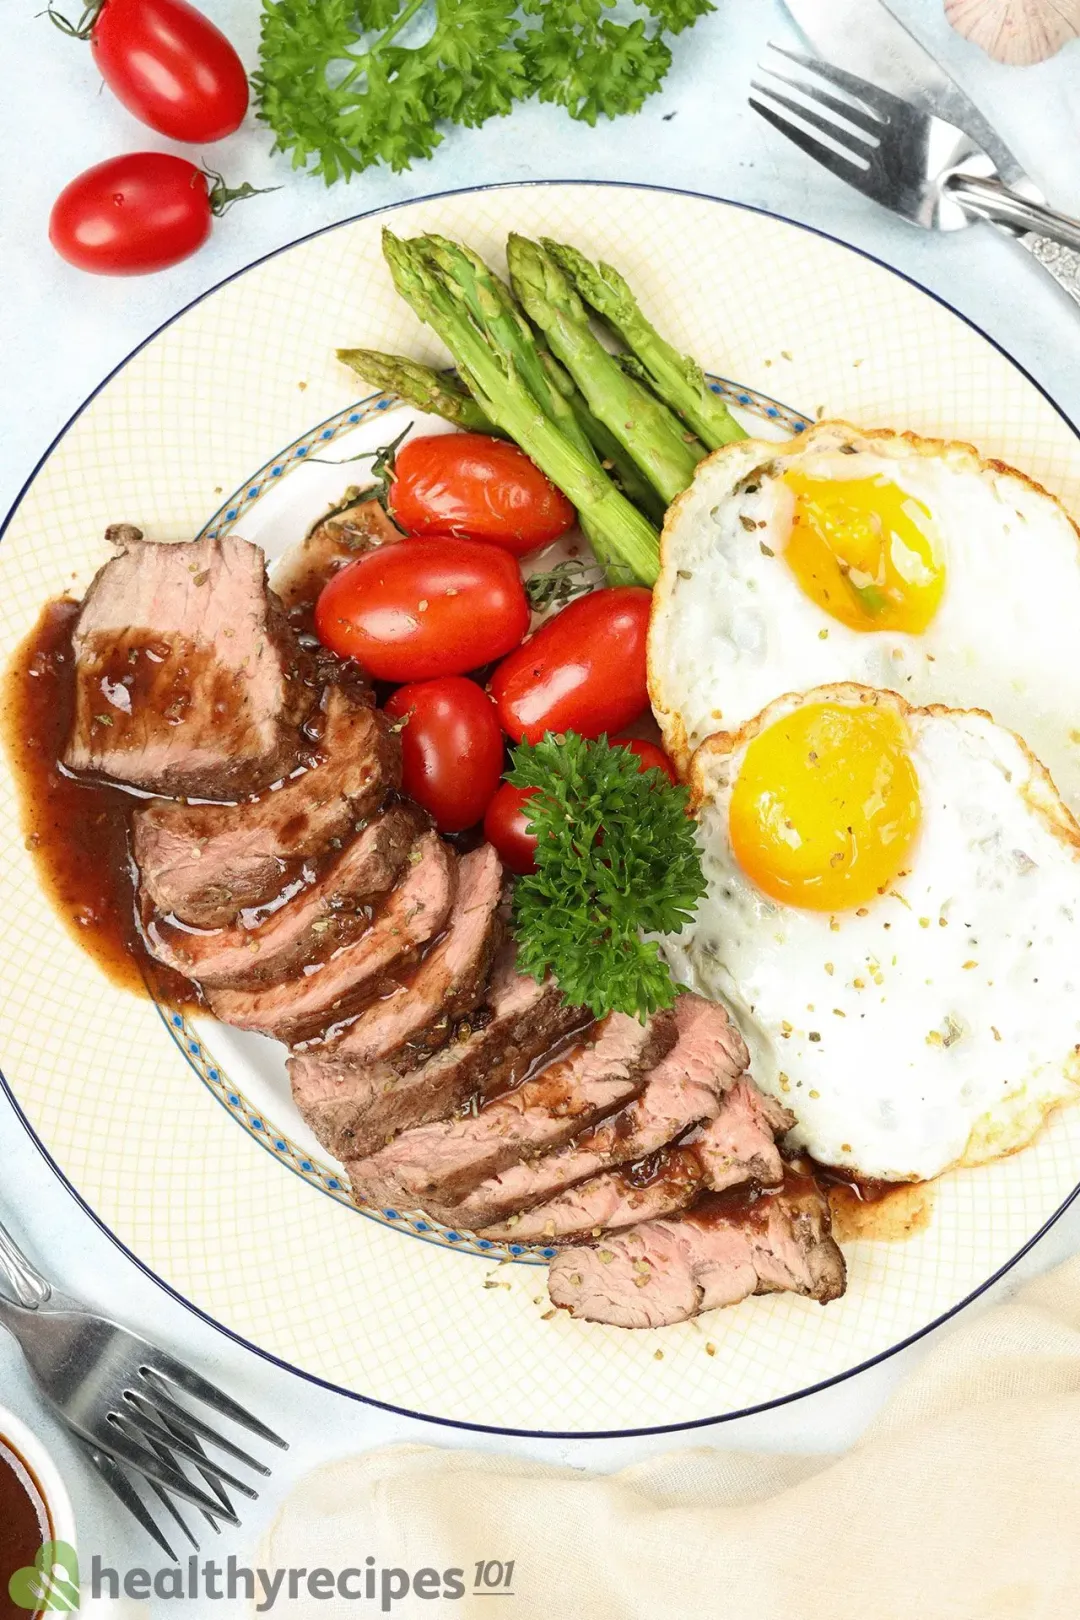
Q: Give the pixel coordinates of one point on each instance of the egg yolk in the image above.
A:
(863, 550)
(825, 808)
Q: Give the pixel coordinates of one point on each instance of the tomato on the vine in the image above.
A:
(134, 214)
(419, 608)
(451, 748)
(583, 670)
(168, 64)
(471, 484)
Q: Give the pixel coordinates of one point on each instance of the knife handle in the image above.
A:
(1053, 238)
(1063, 263)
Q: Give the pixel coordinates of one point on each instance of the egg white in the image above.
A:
(939, 1025)
(732, 629)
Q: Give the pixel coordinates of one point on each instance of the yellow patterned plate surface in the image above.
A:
(119, 1106)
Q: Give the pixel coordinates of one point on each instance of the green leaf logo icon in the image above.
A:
(51, 1582)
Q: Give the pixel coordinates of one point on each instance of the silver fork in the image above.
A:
(924, 168)
(117, 1392)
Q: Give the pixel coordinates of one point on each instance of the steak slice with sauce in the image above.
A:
(434, 1167)
(728, 1247)
(321, 919)
(188, 679)
(734, 1149)
(326, 993)
(360, 526)
(207, 863)
(683, 1089)
(491, 1050)
(341, 1087)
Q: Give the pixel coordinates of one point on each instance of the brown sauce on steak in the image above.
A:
(77, 832)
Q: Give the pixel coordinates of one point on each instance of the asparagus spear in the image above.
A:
(418, 385)
(634, 485)
(491, 304)
(677, 378)
(619, 532)
(646, 429)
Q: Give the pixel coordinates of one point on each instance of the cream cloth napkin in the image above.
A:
(961, 1502)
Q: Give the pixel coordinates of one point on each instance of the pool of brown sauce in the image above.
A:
(77, 832)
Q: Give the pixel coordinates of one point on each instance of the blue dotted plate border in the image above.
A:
(308, 1167)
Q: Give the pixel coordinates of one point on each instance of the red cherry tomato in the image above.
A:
(582, 671)
(451, 748)
(471, 484)
(137, 213)
(422, 608)
(170, 67)
(651, 757)
(506, 826)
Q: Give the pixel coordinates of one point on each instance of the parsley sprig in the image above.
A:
(342, 86)
(616, 859)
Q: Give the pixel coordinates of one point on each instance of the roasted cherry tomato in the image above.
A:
(169, 66)
(470, 484)
(420, 608)
(651, 757)
(451, 748)
(506, 826)
(137, 213)
(582, 671)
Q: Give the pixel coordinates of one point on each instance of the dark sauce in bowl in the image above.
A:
(25, 1523)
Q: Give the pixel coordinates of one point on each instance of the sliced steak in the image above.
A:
(340, 1085)
(308, 929)
(734, 1149)
(326, 993)
(337, 539)
(490, 1050)
(188, 679)
(740, 1143)
(685, 1088)
(730, 1246)
(206, 864)
(434, 1167)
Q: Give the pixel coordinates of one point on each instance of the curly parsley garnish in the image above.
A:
(616, 859)
(344, 84)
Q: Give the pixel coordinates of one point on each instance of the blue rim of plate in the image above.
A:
(308, 1166)
(231, 1333)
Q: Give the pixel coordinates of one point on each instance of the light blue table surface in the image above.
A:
(61, 332)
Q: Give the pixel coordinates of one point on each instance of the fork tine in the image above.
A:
(215, 1485)
(871, 95)
(172, 1413)
(167, 1457)
(152, 1432)
(827, 156)
(853, 144)
(170, 1506)
(145, 1462)
(846, 109)
(125, 1492)
(168, 1370)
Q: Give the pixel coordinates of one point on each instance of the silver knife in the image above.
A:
(867, 38)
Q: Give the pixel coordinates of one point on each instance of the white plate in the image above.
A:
(201, 1204)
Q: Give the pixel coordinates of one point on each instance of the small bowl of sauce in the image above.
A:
(34, 1510)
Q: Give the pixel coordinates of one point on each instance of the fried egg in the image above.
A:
(893, 920)
(881, 558)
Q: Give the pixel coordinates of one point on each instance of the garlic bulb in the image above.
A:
(1018, 32)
